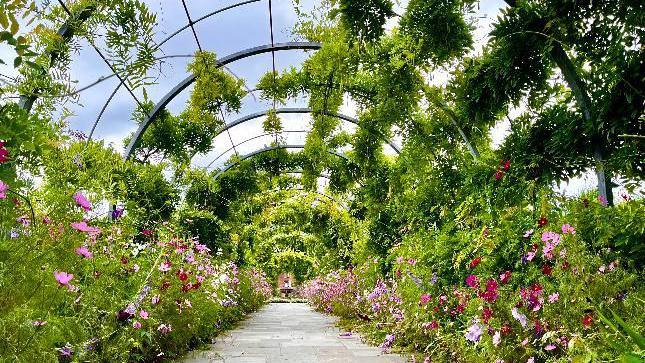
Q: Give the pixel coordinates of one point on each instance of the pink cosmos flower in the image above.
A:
(603, 200)
(550, 347)
(38, 323)
(82, 202)
(165, 266)
(602, 269)
(164, 329)
(528, 233)
(63, 278)
(143, 314)
(424, 299)
(554, 297)
(412, 262)
(400, 259)
(83, 227)
(3, 189)
(136, 325)
(83, 251)
(472, 281)
(505, 277)
(567, 228)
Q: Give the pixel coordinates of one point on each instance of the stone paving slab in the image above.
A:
(292, 333)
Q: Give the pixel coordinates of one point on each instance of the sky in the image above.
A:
(237, 29)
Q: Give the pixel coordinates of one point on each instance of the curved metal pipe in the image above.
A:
(220, 63)
(292, 110)
(251, 139)
(267, 149)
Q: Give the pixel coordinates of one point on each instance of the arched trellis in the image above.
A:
(325, 195)
(269, 48)
(293, 110)
(268, 149)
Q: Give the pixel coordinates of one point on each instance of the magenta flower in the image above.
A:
(550, 347)
(83, 227)
(424, 299)
(63, 278)
(472, 281)
(4, 153)
(603, 200)
(136, 325)
(143, 314)
(82, 202)
(3, 189)
(83, 251)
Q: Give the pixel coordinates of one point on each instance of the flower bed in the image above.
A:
(558, 299)
(76, 289)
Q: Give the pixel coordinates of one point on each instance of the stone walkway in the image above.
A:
(289, 333)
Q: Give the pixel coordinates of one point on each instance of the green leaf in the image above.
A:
(14, 24)
(4, 21)
(638, 339)
(17, 62)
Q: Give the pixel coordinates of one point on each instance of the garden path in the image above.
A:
(289, 333)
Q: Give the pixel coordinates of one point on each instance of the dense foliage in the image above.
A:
(455, 248)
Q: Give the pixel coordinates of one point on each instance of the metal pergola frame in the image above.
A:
(293, 110)
(67, 32)
(191, 79)
(227, 167)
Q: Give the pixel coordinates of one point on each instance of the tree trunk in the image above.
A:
(583, 101)
(577, 86)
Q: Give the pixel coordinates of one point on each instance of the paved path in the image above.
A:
(289, 333)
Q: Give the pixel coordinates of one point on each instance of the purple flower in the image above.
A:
(519, 317)
(474, 333)
(387, 343)
(117, 213)
(603, 200)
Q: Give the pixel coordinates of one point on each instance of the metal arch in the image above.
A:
(158, 46)
(251, 139)
(267, 149)
(324, 176)
(294, 110)
(220, 63)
